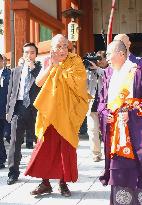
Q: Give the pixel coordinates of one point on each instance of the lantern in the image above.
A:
(73, 31)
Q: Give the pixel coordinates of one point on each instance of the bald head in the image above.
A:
(59, 38)
(125, 39)
(118, 46)
(116, 54)
(59, 47)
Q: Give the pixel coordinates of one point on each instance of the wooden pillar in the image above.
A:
(37, 33)
(32, 30)
(86, 23)
(21, 27)
(7, 33)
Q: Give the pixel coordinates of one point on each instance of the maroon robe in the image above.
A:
(53, 158)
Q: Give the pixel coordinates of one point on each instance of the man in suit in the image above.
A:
(29, 133)
(22, 92)
(4, 80)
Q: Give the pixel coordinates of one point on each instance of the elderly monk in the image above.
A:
(62, 105)
(125, 39)
(121, 124)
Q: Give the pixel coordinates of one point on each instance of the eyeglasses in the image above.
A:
(60, 47)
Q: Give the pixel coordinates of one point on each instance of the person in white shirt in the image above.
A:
(20, 110)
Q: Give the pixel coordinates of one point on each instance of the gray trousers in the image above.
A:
(93, 132)
(23, 118)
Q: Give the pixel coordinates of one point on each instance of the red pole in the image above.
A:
(109, 32)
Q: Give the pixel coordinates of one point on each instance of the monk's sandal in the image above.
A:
(64, 190)
(42, 189)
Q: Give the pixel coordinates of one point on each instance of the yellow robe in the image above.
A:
(63, 100)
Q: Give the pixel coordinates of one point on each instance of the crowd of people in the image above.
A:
(38, 99)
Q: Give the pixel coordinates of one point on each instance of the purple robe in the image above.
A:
(135, 59)
(120, 171)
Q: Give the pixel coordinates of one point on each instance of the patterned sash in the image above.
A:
(119, 132)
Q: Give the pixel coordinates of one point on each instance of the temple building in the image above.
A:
(38, 20)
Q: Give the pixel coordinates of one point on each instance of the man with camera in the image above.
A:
(94, 63)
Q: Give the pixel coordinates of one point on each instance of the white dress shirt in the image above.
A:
(1, 79)
(22, 83)
(1, 70)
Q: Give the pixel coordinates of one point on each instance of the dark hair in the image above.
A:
(31, 45)
(101, 53)
(1, 57)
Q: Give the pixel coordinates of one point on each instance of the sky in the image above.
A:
(1, 36)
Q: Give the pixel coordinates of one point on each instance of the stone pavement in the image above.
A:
(86, 191)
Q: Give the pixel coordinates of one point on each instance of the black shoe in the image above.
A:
(2, 166)
(29, 145)
(12, 180)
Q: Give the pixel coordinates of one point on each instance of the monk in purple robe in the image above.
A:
(122, 127)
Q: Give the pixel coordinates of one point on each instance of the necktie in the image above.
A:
(26, 98)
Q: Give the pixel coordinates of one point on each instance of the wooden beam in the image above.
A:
(39, 15)
(45, 18)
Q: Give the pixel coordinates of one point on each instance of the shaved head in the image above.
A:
(57, 39)
(125, 39)
(117, 46)
(116, 54)
(59, 47)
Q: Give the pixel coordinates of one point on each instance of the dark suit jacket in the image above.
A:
(3, 92)
(13, 88)
(34, 90)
